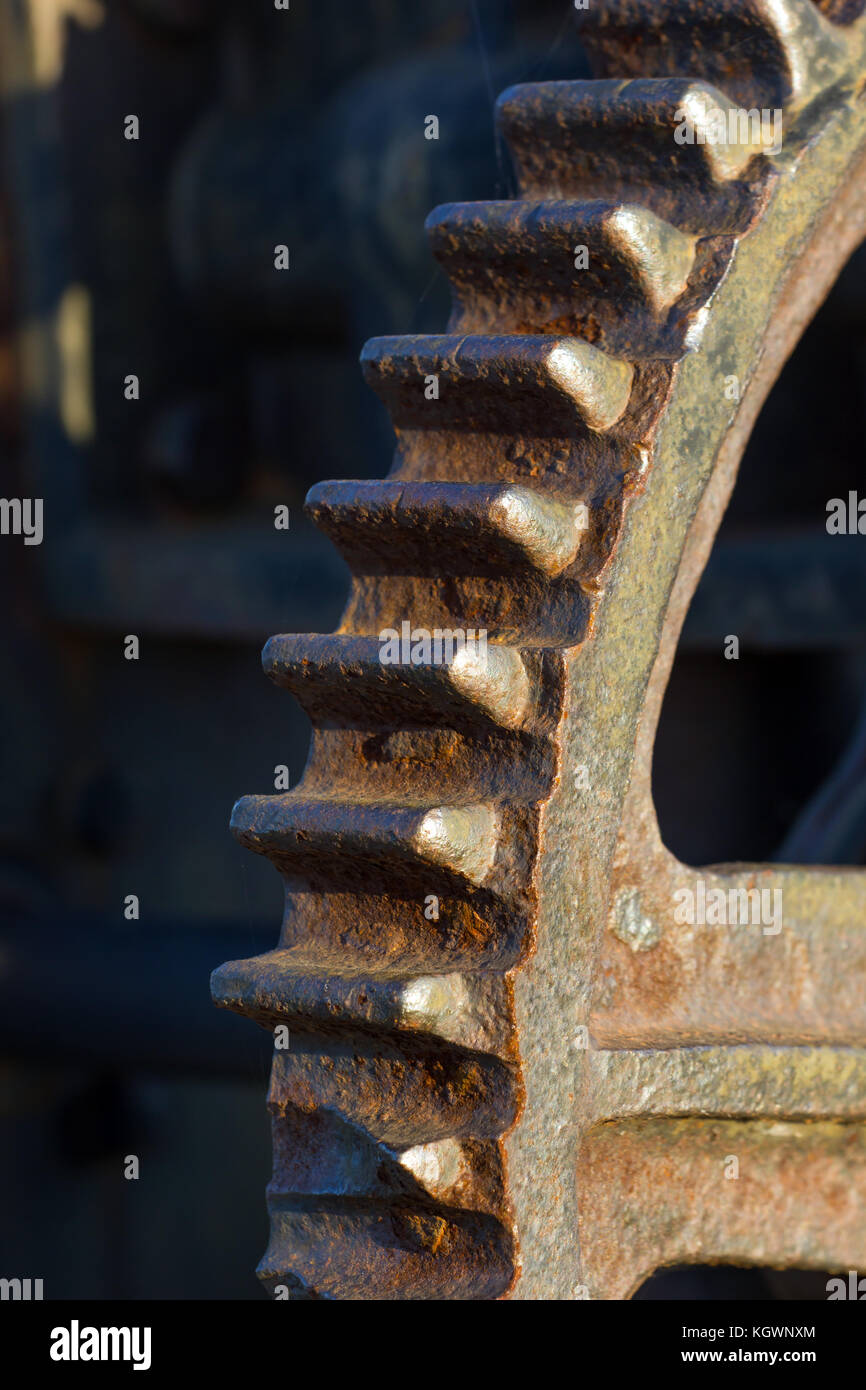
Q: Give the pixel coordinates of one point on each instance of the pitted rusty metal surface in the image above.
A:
(513, 1069)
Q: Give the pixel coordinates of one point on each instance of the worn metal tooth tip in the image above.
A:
(493, 678)
(439, 1167)
(600, 385)
(716, 124)
(548, 532)
(461, 838)
(430, 997)
(661, 255)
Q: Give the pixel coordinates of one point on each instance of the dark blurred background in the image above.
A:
(154, 258)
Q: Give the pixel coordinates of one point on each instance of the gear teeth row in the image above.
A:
(521, 436)
(483, 383)
(615, 141)
(515, 267)
(386, 1112)
(394, 527)
(396, 1148)
(344, 678)
(763, 53)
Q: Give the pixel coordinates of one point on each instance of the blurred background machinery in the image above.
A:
(153, 258)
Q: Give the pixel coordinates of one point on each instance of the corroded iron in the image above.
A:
(533, 1088)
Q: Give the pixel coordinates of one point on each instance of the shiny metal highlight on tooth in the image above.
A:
(460, 838)
(661, 255)
(549, 532)
(599, 384)
(495, 680)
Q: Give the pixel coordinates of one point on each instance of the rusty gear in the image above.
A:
(512, 1071)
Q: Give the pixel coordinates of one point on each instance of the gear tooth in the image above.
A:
(345, 677)
(305, 836)
(394, 524)
(483, 380)
(397, 1094)
(386, 1250)
(617, 141)
(760, 52)
(282, 987)
(512, 265)
(729, 158)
